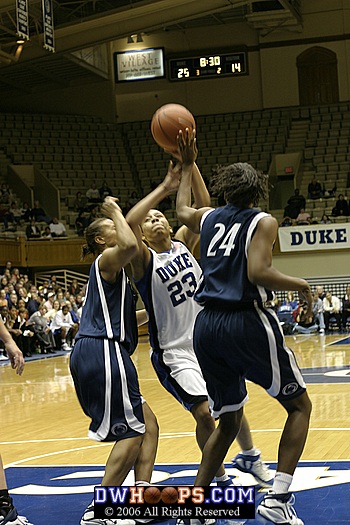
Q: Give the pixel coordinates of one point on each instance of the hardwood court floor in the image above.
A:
(42, 422)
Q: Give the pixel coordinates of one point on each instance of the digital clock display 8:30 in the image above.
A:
(208, 66)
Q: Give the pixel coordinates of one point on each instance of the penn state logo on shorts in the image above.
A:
(290, 389)
(119, 429)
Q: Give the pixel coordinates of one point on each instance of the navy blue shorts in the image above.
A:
(107, 387)
(232, 346)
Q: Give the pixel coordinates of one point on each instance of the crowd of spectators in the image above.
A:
(329, 313)
(295, 213)
(45, 319)
(41, 319)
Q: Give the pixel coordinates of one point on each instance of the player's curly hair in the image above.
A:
(92, 231)
(240, 184)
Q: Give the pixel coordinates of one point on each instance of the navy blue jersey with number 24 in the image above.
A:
(225, 238)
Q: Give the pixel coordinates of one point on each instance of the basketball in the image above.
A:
(169, 495)
(166, 123)
(152, 495)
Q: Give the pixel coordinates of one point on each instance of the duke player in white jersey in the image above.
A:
(236, 335)
(104, 375)
(166, 275)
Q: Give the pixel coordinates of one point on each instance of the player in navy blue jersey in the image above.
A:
(104, 375)
(166, 275)
(236, 335)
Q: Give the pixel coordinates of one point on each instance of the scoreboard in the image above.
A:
(212, 65)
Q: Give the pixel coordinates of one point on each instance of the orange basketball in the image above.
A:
(169, 495)
(152, 495)
(166, 123)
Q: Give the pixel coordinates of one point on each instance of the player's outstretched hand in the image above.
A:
(172, 178)
(187, 146)
(110, 206)
(15, 356)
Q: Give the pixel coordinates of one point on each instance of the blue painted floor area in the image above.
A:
(59, 495)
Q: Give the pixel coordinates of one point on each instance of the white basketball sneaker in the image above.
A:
(279, 509)
(256, 467)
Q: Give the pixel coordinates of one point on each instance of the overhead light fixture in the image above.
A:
(130, 39)
(139, 38)
(20, 41)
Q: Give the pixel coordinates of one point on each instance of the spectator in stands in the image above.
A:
(294, 204)
(80, 202)
(33, 230)
(33, 303)
(7, 269)
(25, 212)
(25, 339)
(345, 307)
(314, 189)
(325, 219)
(63, 325)
(74, 287)
(38, 213)
(286, 221)
(305, 324)
(38, 323)
(50, 314)
(46, 233)
(291, 301)
(320, 292)
(49, 301)
(303, 217)
(93, 195)
(317, 312)
(15, 332)
(341, 207)
(57, 228)
(5, 194)
(104, 190)
(93, 215)
(3, 299)
(331, 308)
(13, 300)
(80, 223)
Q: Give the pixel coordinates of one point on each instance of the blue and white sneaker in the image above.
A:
(12, 518)
(227, 483)
(88, 518)
(278, 508)
(254, 466)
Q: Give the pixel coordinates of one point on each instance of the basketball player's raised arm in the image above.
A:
(138, 213)
(116, 258)
(191, 179)
(169, 185)
(260, 269)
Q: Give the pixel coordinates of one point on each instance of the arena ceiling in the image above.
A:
(85, 23)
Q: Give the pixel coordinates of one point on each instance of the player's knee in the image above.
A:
(202, 415)
(230, 422)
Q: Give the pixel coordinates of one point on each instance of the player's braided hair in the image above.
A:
(92, 231)
(240, 184)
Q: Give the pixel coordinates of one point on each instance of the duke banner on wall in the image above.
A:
(314, 237)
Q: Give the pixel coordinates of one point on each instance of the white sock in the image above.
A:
(141, 483)
(282, 482)
(251, 452)
(225, 477)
